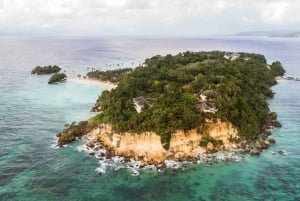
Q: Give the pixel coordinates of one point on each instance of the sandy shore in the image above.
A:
(93, 82)
(279, 78)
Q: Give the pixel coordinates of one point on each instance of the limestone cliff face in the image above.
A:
(220, 131)
(147, 146)
(183, 144)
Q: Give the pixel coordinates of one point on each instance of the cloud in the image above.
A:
(274, 12)
(146, 17)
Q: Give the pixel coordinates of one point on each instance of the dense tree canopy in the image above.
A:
(238, 87)
(110, 75)
(40, 70)
(57, 77)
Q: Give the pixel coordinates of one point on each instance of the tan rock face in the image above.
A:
(185, 143)
(210, 147)
(220, 131)
(147, 146)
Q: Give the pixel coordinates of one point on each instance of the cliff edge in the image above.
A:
(147, 146)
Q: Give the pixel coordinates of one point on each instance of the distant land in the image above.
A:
(283, 33)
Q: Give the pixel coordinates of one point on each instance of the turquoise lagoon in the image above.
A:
(32, 112)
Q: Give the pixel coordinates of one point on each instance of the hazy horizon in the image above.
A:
(146, 18)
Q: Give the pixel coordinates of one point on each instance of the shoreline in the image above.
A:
(135, 166)
(118, 148)
(106, 84)
(287, 78)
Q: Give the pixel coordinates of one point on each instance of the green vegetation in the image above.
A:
(238, 89)
(76, 130)
(110, 75)
(277, 69)
(72, 131)
(40, 70)
(57, 77)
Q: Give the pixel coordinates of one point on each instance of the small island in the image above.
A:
(42, 70)
(57, 77)
(181, 107)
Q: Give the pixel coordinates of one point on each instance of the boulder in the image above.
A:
(90, 144)
(272, 141)
(258, 144)
(178, 155)
(219, 147)
(265, 144)
(255, 153)
(267, 133)
(210, 147)
(169, 155)
(277, 124)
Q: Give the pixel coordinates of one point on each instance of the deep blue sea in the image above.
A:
(32, 112)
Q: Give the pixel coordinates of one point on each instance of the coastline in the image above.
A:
(287, 78)
(279, 78)
(189, 145)
(144, 151)
(106, 84)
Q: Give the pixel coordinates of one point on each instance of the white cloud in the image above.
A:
(274, 12)
(247, 20)
(220, 5)
(140, 17)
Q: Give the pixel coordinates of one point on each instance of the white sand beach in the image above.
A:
(93, 82)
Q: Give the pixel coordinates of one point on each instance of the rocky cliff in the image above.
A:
(220, 131)
(185, 144)
(148, 147)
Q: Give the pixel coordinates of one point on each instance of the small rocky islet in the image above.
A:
(46, 70)
(57, 77)
(184, 107)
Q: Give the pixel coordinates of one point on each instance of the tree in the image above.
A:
(57, 77)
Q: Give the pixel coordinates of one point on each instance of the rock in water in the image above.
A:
(210, 147)
(277, 124)
(90, 144)
(255, 153)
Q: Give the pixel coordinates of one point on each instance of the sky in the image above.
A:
(146, 17)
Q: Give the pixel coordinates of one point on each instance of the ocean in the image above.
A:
(32, 112)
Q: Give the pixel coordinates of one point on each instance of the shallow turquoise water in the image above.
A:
(31, 112)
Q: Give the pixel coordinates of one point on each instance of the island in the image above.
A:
(182, 107)
(42, 70)
(57, 77)
(272, 33)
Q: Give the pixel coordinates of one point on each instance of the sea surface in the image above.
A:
(32, 112)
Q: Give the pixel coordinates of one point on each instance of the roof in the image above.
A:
(141, 101)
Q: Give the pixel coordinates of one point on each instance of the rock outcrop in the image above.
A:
(147, 147)
(220, 131)
(185, 144)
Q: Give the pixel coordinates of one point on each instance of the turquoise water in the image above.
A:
(31, 112)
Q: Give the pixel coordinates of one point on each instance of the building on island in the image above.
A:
(141, 101)
(206, 102)
(231, 56)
